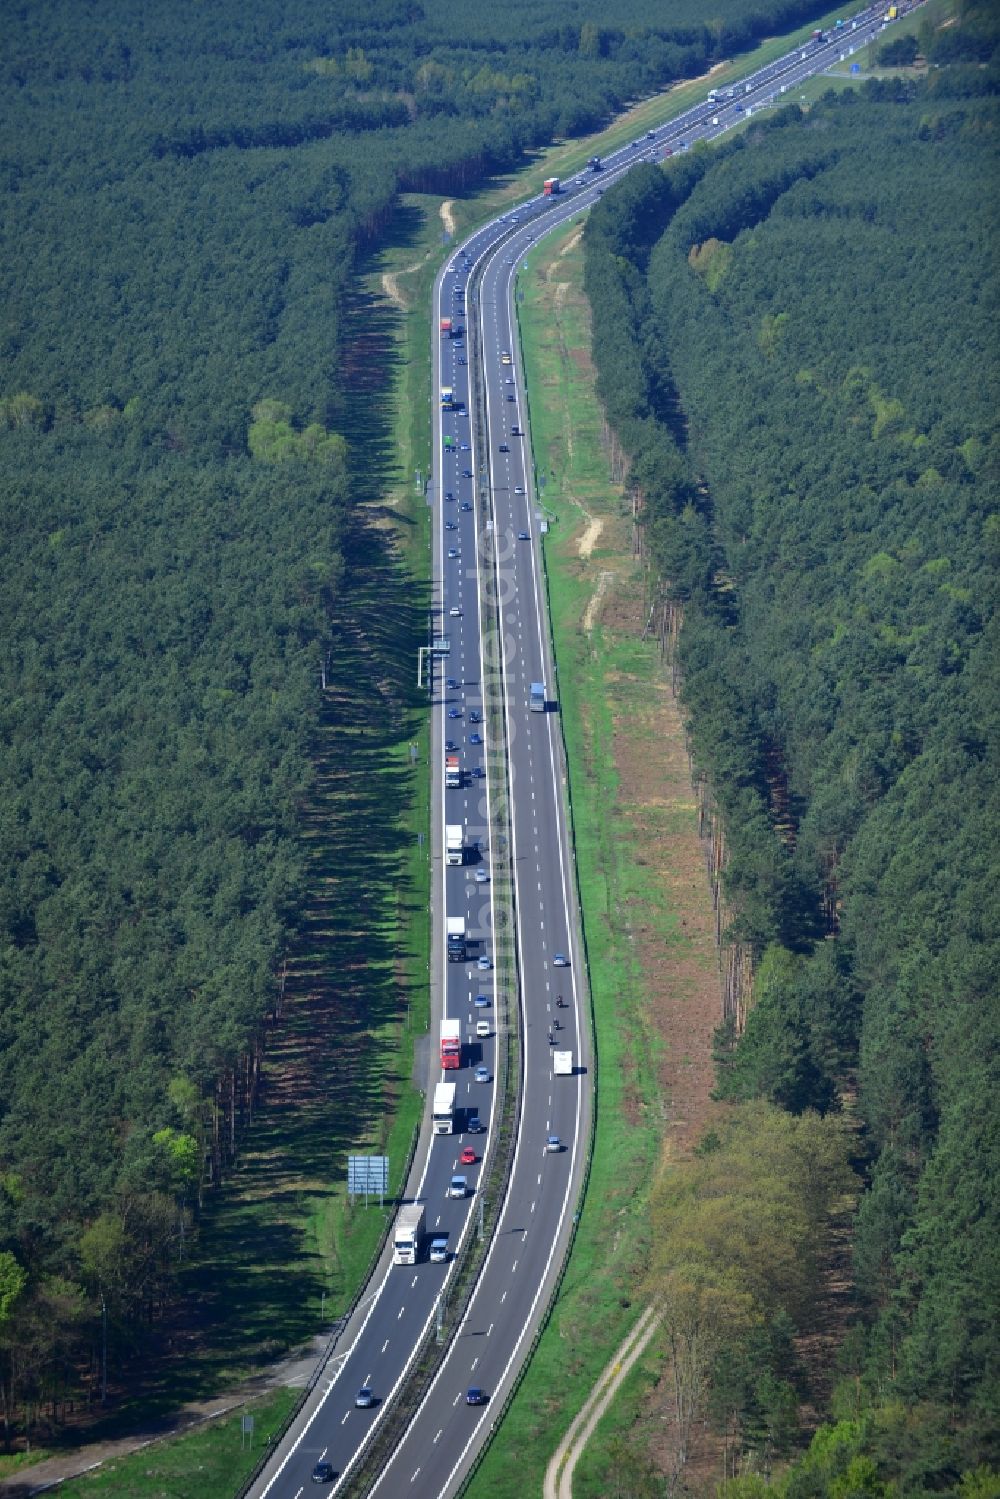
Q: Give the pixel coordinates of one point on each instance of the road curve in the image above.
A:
(487, 570)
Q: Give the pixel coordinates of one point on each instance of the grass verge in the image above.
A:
(203, 1464)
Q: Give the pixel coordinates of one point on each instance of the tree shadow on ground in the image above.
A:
(256, 1288)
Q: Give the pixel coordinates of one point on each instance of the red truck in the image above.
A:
(446, 327)
(451, 1044)
(550, 186)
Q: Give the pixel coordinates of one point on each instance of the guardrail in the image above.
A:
(497, 1163)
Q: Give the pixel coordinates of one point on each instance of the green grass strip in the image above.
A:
(595, 1307)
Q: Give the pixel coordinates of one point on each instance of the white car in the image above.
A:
(458, 1187)
(455, 611)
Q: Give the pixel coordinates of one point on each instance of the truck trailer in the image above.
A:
(409, 1234)
(451, 1045)
(443, 1115)
(550, 187)
(562, 1063)
(454, 850)
(538, 697)
(456, 939)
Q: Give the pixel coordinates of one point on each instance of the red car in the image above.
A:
(468, 1156)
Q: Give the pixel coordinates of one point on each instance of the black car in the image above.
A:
(323, 1473)
(476, 1396)
(504, 448)
(466, 473)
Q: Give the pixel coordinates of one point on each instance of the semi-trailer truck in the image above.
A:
(452, 771)
(409, 1234)
(538, 697)
(550, 187)
(443, 1115)
(456, 939)
(454, 850)
(451, 1044)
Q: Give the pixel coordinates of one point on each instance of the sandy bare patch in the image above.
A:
(390, 285)
(447, 217)
(587, 542)
(673, 924)
(700, 78)
(596, 599)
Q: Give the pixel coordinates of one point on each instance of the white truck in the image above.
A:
(456, 939)
(443, 1115)
(562, 1063)
(454, 850)
(409, 1234)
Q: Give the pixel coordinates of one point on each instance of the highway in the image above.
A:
(487, 572)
